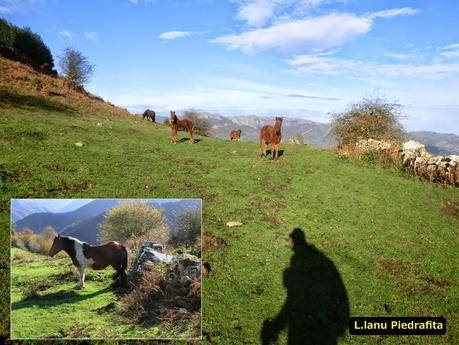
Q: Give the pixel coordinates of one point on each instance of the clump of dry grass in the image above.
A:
(32, 289)
(162, 298)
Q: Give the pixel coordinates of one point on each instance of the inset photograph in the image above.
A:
(106, 268)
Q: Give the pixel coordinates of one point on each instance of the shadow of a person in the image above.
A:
(316, 310)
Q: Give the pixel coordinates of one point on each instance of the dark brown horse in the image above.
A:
(235, 135)
(270, 135)
(180, 125)
(84, 255)
(149, 114)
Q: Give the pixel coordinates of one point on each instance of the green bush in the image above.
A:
(188, 232)
(133, 219)
(7, 34)
(36, 83)
(23, 45)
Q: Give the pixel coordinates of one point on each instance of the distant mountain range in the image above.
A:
(24, 207)
(315, 133)
(438, 143)
(83, 223)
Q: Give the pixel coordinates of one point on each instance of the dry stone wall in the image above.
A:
(414, 158)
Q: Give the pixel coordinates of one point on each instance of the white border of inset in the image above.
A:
(11, 271)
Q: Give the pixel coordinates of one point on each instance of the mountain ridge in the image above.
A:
(83, 223)
(314, 133)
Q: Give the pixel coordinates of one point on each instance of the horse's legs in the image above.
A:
(80, 284)
(120, 278)
(262, 148)
(190, 132)
(277, 151)
(174, 136)
(259, 148)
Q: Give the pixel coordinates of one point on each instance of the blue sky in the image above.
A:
(298, 58)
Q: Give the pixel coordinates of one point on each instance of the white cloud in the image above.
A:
(134, 2)
(450, 54)
(259, 12)
(67, 33)
(451, 46)
(172, 35)
(310, 33)
(307, 34)
(331, 66)
(92, 36)
(398, 56)
(450, 51)
(395, 12)
(256, 13)
(10, 6)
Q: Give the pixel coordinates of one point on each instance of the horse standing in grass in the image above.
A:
(149, 114)
(180, 125)
(235, 135)
(84, 255)
(271, 135)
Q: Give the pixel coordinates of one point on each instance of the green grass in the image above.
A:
(384, 232)
(55, 309)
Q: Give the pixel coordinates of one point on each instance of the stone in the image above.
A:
(373, 145)
(412, 145)
(232, 224)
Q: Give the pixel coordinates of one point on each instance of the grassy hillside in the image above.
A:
(390, 241)
(45, 304)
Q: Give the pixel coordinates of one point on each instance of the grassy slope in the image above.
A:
(61, 311)
(385, 233)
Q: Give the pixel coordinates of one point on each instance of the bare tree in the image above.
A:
(373, 118)
(201, 125)
(75, 67)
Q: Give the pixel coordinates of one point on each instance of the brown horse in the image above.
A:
(149, 114)
(180, 125)
(271, 135)
(84, 255)
(235, 135)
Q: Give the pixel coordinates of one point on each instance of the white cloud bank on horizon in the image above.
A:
(323, 65)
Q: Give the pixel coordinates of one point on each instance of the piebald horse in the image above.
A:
(271, 135)
(180, 125)
(149, 114)
(84, 255)
(235, 135)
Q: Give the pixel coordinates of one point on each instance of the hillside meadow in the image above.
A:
(385, 241)
(44, 303)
